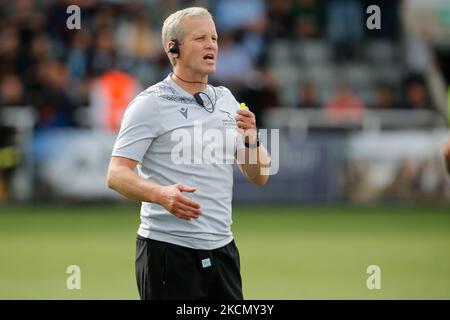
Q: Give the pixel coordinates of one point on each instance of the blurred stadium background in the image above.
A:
(362, 115)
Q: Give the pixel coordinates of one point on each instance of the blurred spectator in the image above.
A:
(26, 18)
(246, 18)
(40, 50)
(9, 51)
(416, 95)
(110, 96)
(140, 47)
(83, 93)
(418, 52)
(11, 91)
(345, 27)
(261, 92)
(104, 18)
(280, 19)
(344, 105)
(104, 56)
(159, 10)
(137, 40)
(402, 186)
(308, 18)
(54, 106)
(234, 64)
(384, 97)
(78, 57)
(78, 54)
(307, 96)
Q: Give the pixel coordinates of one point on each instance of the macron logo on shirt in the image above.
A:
(184, 111)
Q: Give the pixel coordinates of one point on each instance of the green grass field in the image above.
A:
(303, 252)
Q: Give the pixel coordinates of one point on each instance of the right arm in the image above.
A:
(122, 178)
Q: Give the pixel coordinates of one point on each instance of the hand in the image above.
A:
(246, 123)
(446, 149)
(446, 153)
(172, 198)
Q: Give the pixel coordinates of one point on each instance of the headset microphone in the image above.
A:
(199, 99)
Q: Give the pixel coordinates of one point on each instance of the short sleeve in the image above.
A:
(140, 125)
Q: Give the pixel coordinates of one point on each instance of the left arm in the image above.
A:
(254, 162)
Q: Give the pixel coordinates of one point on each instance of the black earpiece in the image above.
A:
(175, 48)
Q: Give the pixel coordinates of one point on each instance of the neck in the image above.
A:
(184, 80)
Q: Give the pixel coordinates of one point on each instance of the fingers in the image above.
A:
(191, 210)
(180, 205)
(185, 208)
(246, 129)
(244, 112)
(249, 124)
(186, 212)
(245, 120)
(446, 149)
(182, 214)
(188, 202)
(240, 117)
(242, 125)
(185, 188)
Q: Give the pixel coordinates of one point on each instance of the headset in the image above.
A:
(176, 50)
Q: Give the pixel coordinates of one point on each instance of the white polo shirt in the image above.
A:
(176, 140)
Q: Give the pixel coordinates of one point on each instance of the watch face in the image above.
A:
(252, 145)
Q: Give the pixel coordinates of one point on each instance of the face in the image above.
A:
(384, 97)
(416, 94)
(199, 46)
(308, 92)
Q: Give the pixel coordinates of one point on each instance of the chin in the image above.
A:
(211, 70)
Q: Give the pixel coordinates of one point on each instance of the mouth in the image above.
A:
(209, 57)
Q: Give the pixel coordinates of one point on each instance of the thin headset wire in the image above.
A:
(188, 81)
(213, 104)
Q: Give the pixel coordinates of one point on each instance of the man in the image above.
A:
(185, 248)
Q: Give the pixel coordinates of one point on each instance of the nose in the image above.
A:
(211, 44)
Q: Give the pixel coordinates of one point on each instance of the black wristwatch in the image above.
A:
(252, 145)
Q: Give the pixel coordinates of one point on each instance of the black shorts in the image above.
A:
(168, 271)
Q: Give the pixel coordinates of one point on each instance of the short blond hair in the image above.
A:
(173, 28)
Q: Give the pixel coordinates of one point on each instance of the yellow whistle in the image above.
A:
(243, 106)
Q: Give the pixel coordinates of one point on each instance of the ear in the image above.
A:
(170, 45)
